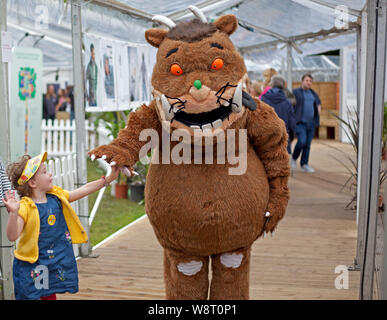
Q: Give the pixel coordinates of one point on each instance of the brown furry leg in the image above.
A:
(230, 275)
(185, 277)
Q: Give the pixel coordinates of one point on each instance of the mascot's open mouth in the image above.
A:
(212, 119)
(204, 120)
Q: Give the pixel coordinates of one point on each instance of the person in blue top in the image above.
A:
(307, 113)
(45, 226)
(276, 98)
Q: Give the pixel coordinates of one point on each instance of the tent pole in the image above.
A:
(289, 62)
(6, 247)
(371, 142)
(79, 102)
(361, 47)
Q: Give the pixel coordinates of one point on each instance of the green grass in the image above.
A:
(112, 214)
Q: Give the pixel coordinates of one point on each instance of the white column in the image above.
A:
(371, 133)
(6, 247)
(79, 108)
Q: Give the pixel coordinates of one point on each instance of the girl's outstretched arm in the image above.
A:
(93, 186)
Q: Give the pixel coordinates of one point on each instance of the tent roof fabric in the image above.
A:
(261, 22)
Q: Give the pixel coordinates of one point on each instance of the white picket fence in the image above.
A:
(58, 137)
(64, 174)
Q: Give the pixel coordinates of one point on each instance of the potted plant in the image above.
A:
(114, 122)
(137, 182)
(351, 129)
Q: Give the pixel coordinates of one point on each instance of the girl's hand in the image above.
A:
(113, 175)
(10, 201)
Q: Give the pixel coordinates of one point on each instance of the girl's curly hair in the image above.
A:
(14, 171)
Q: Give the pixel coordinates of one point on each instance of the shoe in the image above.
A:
(293, 163)
(306, 168)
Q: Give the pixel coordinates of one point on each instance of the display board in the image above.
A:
(117, 74)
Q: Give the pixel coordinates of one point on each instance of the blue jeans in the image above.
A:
(305, 134)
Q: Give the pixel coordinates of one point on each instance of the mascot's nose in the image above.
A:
(197, 84)
(199, 91)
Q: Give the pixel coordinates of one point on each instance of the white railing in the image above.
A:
(58, 137)
(64, 175)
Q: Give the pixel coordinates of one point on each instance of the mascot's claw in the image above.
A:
(124, 170)
(128, 172)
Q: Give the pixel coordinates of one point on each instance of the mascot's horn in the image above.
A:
(165, 21)
(198, 13)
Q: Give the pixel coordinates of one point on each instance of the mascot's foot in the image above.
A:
(186, 277)
(230, 275)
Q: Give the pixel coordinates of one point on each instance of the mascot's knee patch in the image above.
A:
(231, 260)
(190, 268)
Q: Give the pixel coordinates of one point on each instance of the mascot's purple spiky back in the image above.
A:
(198, 210)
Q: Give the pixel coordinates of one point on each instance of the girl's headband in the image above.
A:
(31, 167)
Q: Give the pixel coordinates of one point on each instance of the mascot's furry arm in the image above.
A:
(124, 150)
(269, 137)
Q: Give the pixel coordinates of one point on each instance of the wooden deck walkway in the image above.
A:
(298, 262)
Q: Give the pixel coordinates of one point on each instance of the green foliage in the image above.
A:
(351, 129)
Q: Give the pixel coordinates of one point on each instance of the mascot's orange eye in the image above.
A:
(176, 69)
(217, 64)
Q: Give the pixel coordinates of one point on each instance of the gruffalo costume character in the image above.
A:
(200, 211)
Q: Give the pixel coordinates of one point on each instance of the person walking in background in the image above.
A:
(255, 88)
(49, 103)
(307, 112)
(61, 101)
(276, 98)
(267, 75)
(70, 101)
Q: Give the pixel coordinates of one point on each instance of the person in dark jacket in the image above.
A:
(276, 98)
(307, 111)
(49, 103)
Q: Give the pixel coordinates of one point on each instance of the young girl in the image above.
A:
(46, 226)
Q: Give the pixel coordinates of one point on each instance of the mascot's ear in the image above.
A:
(155, 36)
(227, 23)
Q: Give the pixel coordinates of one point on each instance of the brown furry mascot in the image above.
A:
(201, 210)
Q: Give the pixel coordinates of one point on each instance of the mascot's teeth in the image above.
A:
(167, 108)
(195, 127)
(217, 124)
(237, 99)
(207, 126)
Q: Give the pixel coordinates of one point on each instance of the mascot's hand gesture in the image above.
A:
(125, 170)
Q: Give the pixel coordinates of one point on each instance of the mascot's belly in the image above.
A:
(202, 210)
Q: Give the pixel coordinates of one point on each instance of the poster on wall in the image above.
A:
(122, 77)
(134, 74)
(141, 62)
(25, 101)
(348, 89)
(93, 80)
(351, 71)
(109, 94)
